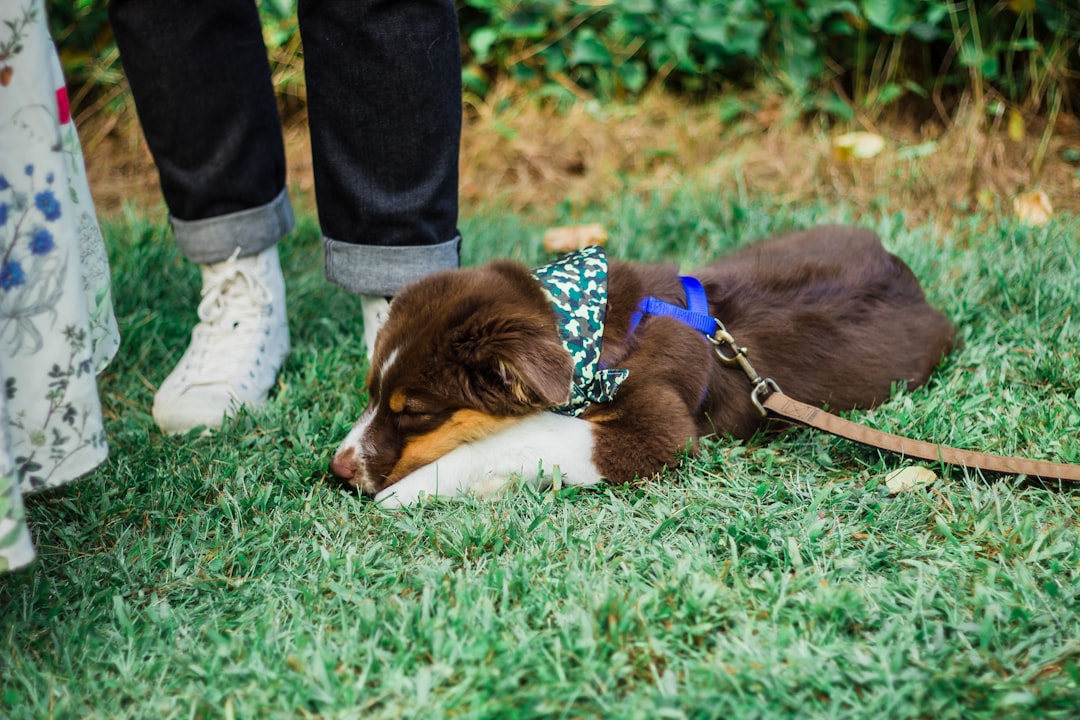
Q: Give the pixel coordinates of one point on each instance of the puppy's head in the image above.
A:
(463, 354)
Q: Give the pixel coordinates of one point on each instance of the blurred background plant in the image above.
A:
(842, 57)
(92, 63)
(973, 104)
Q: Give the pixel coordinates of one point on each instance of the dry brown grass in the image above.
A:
(527, 156)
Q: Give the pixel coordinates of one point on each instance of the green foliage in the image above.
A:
(615, 49)
(88, 54)
(877, 50)
(92, 63)
(842, 56)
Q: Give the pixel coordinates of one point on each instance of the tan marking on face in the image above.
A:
(462, 427)
(397, 401)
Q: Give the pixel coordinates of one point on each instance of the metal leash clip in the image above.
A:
(763, 387)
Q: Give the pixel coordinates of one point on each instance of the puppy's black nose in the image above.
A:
(342, 470)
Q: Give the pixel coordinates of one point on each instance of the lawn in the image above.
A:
(227, 577)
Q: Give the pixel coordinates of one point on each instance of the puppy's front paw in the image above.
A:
(425, 482)
(428, 482)
(389, 500)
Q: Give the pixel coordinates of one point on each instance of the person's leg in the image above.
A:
(201, 81)
(384, 106)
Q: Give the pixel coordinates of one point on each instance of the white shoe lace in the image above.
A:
(233, 317)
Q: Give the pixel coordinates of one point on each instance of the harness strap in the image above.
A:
(695, 314)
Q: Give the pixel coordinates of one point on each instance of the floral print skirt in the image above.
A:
(57, 329)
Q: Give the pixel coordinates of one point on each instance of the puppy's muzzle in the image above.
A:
(342, 470)
(348, 471)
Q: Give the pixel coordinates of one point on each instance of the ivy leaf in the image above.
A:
(678, 43)
(909, 478)
(482, 41)
(926, 32)
(819, 10)
(526, 24)
(738, 34)
(836, 106)
(893, 16)
(279, 9)
(588, 50)
(889, 93)
(633, 75)
(972, 56)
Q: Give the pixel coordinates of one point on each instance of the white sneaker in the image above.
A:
(375, 309)
(236, 349)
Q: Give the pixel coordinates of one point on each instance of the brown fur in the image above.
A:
(828, 313)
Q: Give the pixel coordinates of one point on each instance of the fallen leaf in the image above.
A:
(1016, 125)
(1033, 207)
(574, 237)
(908, 478)
(857, 146)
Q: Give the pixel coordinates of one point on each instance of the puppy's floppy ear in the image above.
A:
(514, 362)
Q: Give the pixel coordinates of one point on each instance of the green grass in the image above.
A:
(225, 577)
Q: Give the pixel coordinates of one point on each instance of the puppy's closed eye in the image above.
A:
(416, 416)
(408, 416)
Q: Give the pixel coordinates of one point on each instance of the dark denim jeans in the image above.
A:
(384, 109)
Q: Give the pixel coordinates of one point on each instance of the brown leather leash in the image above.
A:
(788, 408)
(769, 399)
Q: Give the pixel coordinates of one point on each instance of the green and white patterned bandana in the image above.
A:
(576, 287)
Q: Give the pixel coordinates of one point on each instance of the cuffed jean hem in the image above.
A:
(382, 270)
(215, 239)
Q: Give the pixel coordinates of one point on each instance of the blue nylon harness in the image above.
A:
(576, 287)
(695, 314)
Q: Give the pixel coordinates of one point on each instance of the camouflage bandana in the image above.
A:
(576, 287)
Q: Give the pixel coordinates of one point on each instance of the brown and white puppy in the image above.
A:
(470, 362)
